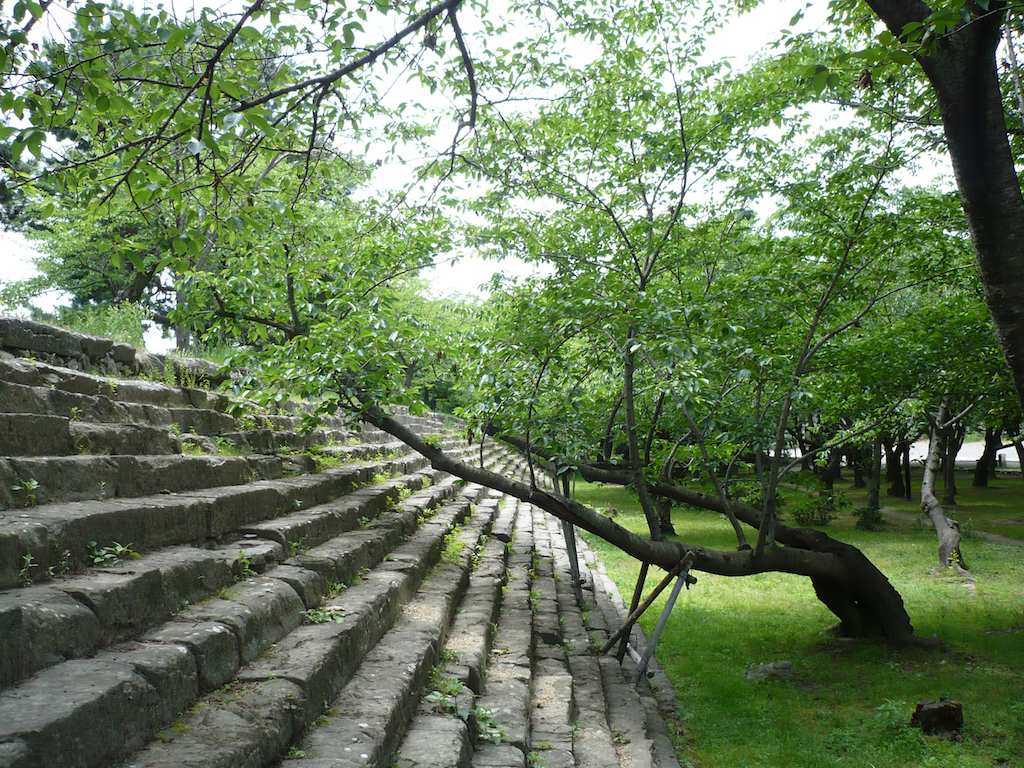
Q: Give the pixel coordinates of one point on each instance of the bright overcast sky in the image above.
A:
(740, 40)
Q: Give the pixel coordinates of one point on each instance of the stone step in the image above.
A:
(29, 434)
(506, 695)
(270, 441)
(70, 617)
(21, 398)
(306, 528)
(619, 714)
(442, 733)
(79, 351)
(568, 672)
(18, 370)
(655, 698)
(57, 535)
(367, 720)
(111, 704)
(288, 690)
(31, 481)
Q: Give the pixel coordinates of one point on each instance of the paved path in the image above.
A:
(968, 455)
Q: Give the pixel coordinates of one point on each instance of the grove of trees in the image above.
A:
(741, 281)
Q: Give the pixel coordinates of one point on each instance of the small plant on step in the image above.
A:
(453, 546)
(74, 413)
(28, 564)
(534, 760)
(335, 588)
(297, 547)
(324, 616)
(364, 522)
(443, 683)
(28, 491)
(111, 555)
(61, 566)
(379, 477)
(535, 600)
(294, 753)
(245, 569)
(487, 728)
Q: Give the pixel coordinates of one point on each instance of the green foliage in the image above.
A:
(111, 554)
(244, 565)
(324, 616)
(454, 546)
(121, 321)
(28, 565)
(27, 491)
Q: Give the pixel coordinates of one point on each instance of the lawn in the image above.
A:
(849, 701)
(999, 508)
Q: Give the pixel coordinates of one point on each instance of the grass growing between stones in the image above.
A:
(848, 702)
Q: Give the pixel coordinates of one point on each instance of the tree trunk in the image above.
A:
(908, 485)
(953, 440)
(947, 531)
(871, 517)
(893, 470)
(1018, 445)
(664, 507)
(962, 69)
(831, 474)
(985, 467)
(874, 476)
(856, 460)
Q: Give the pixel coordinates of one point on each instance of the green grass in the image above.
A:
(997, 509)
(849, 700)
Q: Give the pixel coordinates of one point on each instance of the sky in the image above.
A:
(741, 39)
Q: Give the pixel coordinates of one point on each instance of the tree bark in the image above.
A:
(947, 531)
(962, 69)
(985, 467)
(1018, 445)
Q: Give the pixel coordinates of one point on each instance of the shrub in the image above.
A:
(121, 322)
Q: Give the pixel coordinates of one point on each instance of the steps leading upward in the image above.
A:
(184, 586)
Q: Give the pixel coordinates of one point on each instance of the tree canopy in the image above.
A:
(737, 271)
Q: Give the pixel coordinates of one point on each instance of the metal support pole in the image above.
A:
(569, 531)
(652, 642)
(638, 593)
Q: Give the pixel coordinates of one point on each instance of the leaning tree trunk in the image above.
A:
(947, 530)
(844, 579)
(1018, 445)
(985, 467)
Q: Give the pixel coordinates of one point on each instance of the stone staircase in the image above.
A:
(181, 585)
